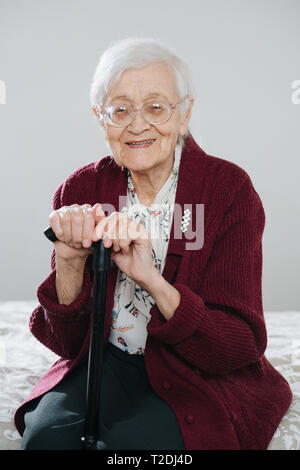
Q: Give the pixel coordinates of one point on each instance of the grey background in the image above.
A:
(243, 56)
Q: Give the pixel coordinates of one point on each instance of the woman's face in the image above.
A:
(136, 86)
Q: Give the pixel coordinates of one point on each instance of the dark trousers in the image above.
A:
(132, 415)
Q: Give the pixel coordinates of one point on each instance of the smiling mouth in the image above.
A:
(141, 143)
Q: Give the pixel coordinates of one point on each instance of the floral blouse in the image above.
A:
(130, 314)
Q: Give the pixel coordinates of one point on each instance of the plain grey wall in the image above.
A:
(244, 58)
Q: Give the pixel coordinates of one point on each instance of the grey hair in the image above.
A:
(134, 52)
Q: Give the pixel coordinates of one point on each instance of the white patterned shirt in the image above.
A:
(130, 314)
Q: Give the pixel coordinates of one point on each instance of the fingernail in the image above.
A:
(86, 243)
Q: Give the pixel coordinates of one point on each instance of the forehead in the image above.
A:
(153, 80)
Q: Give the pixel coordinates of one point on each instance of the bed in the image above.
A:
(23, 360)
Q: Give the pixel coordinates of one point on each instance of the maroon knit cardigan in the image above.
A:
(207, 362)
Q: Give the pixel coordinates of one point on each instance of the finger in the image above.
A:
(103, 224)
(65, 223)
(138, 233)
(123, 239)
(99, 215)
(54, 223)
(88, 226)
(98, 211)
(111, 237)
(116, 224)
(77, 220)
(98, 230)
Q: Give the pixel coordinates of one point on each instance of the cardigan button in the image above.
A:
(166, 385)
(189, 419)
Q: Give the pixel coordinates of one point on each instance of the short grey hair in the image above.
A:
(134, 52)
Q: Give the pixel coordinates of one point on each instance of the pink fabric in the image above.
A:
(207, 362)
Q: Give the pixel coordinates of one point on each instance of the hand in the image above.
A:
(131, 246)
(74, 226)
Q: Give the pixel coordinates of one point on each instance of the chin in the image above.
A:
(138, 158)
(138, 166)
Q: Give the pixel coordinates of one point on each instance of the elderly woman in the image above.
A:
(184, 339)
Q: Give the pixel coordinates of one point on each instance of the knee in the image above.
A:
(53, 437)
(36, 438)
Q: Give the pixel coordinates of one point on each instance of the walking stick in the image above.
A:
(101, 265)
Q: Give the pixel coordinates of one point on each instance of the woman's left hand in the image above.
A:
(131, 246)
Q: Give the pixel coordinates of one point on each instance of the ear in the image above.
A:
(187, 117)
(96, 111)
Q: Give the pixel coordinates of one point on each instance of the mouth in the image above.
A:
(141, 143)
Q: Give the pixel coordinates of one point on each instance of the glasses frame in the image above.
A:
(102, 113)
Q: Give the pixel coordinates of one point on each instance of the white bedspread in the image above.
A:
(23, 360)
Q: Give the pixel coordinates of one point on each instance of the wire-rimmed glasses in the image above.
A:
(121, 115)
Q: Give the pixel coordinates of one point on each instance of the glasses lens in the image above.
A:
(120, 115)
(155, 112)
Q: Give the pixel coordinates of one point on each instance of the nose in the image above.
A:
(138, 123)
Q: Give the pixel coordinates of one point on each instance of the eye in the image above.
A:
(121, 109)
(154, 107)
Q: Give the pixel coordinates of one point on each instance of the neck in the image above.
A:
(148, 184)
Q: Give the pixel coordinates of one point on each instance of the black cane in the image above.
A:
(101, 265)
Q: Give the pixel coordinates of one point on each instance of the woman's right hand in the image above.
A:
(74, 226)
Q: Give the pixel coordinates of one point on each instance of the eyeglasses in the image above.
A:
(121, 115)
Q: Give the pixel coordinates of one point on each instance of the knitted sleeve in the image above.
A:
(61, 328)
(219, 324)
